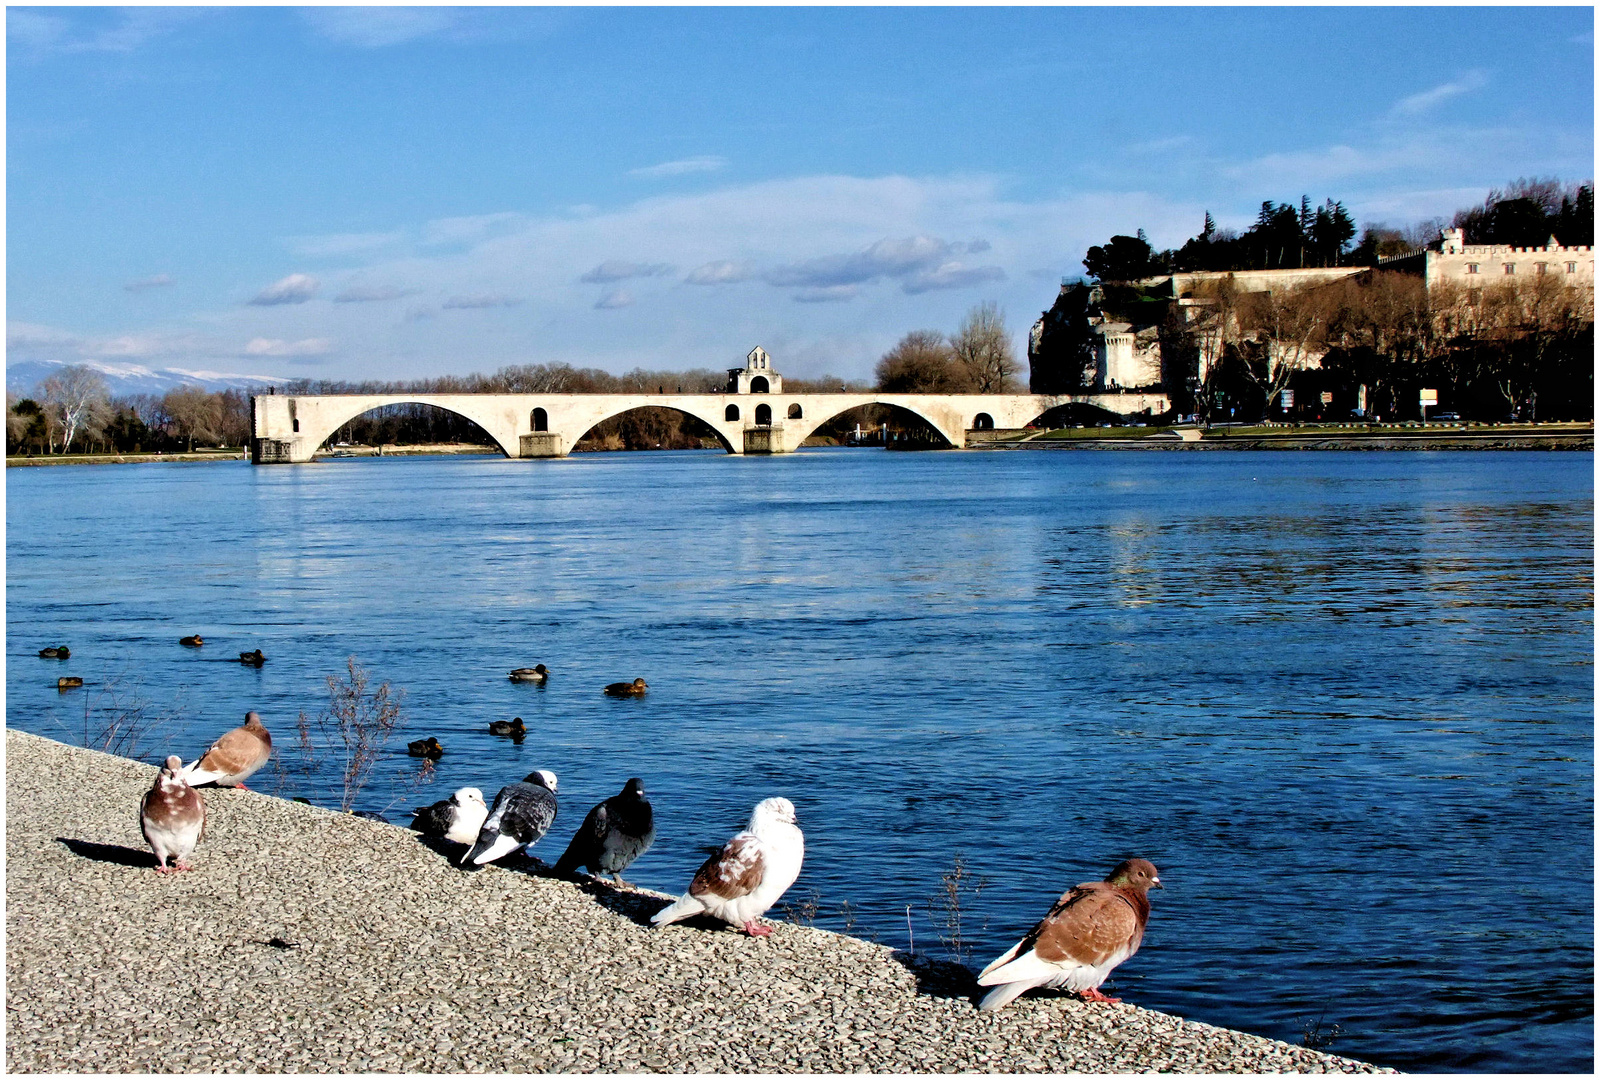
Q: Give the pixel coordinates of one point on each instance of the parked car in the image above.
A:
(1446, 416)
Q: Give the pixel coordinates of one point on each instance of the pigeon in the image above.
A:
(172, 816)
(1090, 930)
(536, 673)
(613, 835)
(193, 641)
(512, 727)
(521, 814)
(234, 757)
(457, 818)
(748, 875)
(428, 748)
(636, 688)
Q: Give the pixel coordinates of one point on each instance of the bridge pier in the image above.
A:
(540, 444)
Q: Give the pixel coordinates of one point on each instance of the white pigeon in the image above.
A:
(749, 874)
(457, 818)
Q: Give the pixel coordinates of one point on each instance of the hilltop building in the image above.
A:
(1451, 258)
(756, 377)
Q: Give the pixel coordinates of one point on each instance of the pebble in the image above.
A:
(405, 962)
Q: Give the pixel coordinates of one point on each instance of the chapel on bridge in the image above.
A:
(756, 377)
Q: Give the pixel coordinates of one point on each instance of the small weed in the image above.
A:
(351, 732)
(117, 720)
(1314, 1037)
(804, 913)
(946, 907)
(848, 914)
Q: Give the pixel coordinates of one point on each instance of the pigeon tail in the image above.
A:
(500, 846)
(1029, 968)
(681, 908)
(194, 776)
(1003, 995)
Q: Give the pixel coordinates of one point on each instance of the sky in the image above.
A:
(392, 193)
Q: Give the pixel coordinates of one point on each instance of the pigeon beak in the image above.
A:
(1157, 883)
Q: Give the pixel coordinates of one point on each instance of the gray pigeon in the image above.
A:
(615, 833)
(522, 813)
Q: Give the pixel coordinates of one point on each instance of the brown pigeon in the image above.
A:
(1090, 930)
(749, 874)
(172, 816)
(234, 758)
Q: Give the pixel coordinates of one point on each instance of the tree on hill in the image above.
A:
(1123, 258)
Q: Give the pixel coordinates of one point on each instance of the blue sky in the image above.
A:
(405, 192)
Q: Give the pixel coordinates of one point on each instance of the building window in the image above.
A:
(1472, 268)
(1511, 268)
(541, 420)
(1572, 268)
(1538, 268)
(731, 413)
(764, 415)
(795, 412)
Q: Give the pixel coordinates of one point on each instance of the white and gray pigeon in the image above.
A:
(457, 818)
(749, 874)
(172, 816)
(613, 835)
(522, 813)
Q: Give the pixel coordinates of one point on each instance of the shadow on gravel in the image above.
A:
(111, 853)
(940, 978)
(630, 904)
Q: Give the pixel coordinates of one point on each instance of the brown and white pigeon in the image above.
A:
(172, 816)
(1090, 930)
(233, 758)
(749, 874)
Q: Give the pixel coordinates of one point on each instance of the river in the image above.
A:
(1344, 701)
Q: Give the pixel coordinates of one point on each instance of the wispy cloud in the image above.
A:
(615, 298)
(721, 272)
(276, 347)
(379, 27)
(343, 244)
(826, 294)
(41, 32)
(294, 289)
(1420, 103)
(155, 282)
(618, 270)
(920, 263)
(708, 163)
(475, 303)
(369, 294)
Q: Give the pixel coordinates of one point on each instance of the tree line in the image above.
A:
(74, 411)
(1525, 213)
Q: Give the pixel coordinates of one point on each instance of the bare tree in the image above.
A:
(982, 347)
(921, 363)
(71, 397)
(1290, 325)
(194, 413)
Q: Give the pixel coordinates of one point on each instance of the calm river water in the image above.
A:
(1343, 701)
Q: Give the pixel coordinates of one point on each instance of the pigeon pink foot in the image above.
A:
(755, 929)
(183, 864)
(1092, 994)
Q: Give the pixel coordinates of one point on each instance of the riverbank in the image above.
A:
(307, 940)
(21, 461)
(1311, 437)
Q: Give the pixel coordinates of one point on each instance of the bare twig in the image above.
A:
(351, 732)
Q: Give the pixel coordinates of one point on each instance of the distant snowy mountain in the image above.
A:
(123, 379)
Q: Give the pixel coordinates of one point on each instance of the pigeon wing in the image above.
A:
(236, 753)
(1092, 924)
(633, 830)
(734, 871)
(434, 820)
(586, 844)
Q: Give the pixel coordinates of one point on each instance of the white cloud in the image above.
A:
(294, 289)
(920, 263)
(721, 272)
(343, 244)
(142, 284)
(708, 163)
(617, 270)
(32, 32)
(276, 347)
(473, 303)
(1427, 99)
(615, 298)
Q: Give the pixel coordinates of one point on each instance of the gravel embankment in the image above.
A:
(404, 963)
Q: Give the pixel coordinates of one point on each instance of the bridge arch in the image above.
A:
(796, 412)
(540, 420)
(808, 426)
(339, 411)
(588, 424)
(730, 414)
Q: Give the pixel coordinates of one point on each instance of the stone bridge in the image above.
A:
(291, 428)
